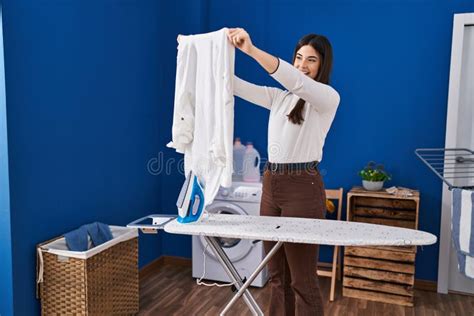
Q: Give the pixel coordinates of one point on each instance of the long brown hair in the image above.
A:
(321, 45)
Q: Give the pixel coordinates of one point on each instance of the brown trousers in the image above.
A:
(293, 279)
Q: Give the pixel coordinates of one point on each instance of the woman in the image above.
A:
(300, 119)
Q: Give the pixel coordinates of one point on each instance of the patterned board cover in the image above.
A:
(301, 230)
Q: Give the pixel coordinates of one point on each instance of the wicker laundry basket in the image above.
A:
(100, 281)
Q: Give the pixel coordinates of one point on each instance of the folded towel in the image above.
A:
(99, 232)
(462, 229)
(77, 240)
(400, 191)
(465, 265)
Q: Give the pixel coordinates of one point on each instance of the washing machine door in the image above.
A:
(236, 249)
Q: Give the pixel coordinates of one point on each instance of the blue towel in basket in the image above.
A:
(99, 233)
(77, 240)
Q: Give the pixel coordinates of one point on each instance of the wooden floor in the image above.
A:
(169, 289)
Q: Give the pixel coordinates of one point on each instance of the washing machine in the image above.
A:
(243, 198)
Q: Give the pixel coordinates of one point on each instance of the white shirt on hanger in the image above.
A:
(203, 120)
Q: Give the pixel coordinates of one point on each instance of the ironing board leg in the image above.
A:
(233, 274)
(243, 289)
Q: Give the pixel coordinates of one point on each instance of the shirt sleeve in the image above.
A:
(259, 95)
(184, 100)
(322, 97)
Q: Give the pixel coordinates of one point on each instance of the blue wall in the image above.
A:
(90, 88)
(87, 85)
(391, 68)
(6, 289)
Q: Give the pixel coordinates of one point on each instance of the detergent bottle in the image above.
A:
(239, 152)
(251, 164)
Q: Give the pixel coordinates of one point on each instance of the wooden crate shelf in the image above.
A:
(385, 265)
(385, 273)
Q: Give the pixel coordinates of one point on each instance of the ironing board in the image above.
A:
(280, 230)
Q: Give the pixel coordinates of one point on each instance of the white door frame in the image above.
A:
(460, 22)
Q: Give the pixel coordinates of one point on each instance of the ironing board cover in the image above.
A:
(301, 230)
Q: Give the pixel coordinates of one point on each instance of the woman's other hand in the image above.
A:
(240, 39)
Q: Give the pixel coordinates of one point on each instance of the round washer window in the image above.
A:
(236, 249)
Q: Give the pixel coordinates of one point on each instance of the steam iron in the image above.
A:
(190, 200)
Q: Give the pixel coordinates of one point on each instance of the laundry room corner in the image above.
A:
(6, 269)
(303, 121)
(85, 90)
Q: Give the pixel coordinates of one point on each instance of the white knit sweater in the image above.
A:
(288, 142)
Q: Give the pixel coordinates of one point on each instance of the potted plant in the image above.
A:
(373, 176)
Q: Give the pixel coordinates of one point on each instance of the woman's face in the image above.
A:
(308, 61)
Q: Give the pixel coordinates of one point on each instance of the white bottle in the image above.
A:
(239, 152)
(251, 164)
